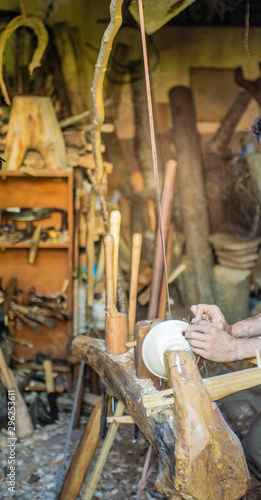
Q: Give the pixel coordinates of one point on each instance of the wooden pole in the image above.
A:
(94, 479)
(199, 276)
(166, 205)
(83, 456)
(135, 264)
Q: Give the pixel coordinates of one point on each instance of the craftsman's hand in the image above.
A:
(214, 313)
(211, 342)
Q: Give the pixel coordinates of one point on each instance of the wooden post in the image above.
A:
(199, 276)
(166, 205)
(83, 456)
(205, 446)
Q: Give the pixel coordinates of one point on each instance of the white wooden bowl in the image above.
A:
(164, 336)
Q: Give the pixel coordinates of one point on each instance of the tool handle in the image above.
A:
(166, 205)
(115, 226)
(35, 243)
(108, 242)
(135, 264)
(48, 368)
(163, 292)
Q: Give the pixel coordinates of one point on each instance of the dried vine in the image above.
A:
(37, 25)
(96, 177)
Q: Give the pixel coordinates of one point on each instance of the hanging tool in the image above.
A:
(48, 368)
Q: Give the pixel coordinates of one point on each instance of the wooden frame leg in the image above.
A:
(83, 456)
(94, 479)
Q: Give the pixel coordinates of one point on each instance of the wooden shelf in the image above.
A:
(54, 261)
(24, 244)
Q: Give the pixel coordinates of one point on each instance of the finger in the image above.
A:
(200, 328)
(196, 336)
(198, 344)
(199, 352)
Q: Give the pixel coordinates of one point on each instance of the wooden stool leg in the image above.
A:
(94, 479)
(209, 460)
(83, 456)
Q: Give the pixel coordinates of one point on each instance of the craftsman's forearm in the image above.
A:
(246, 348)
(250, 327)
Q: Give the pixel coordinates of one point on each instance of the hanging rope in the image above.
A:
(153, 143)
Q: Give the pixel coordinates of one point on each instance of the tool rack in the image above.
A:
(54, 260)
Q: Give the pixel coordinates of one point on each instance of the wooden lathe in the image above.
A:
(199, 456)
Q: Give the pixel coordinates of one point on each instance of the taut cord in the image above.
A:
(153, 143)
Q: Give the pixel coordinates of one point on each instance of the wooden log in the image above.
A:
(166, 205)
(205, 447)
(199, 277)
(83, 456)
(33, 125)
(135, 264)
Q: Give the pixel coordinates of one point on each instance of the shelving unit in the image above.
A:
(54, 261)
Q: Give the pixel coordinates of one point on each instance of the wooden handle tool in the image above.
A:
(23, 422)
(163, 292)
(115, 225)
(108, 241)
(135, 264)
(166, 204)
(48, 368)
(35, 243)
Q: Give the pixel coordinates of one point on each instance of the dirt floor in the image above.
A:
(39, 458)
